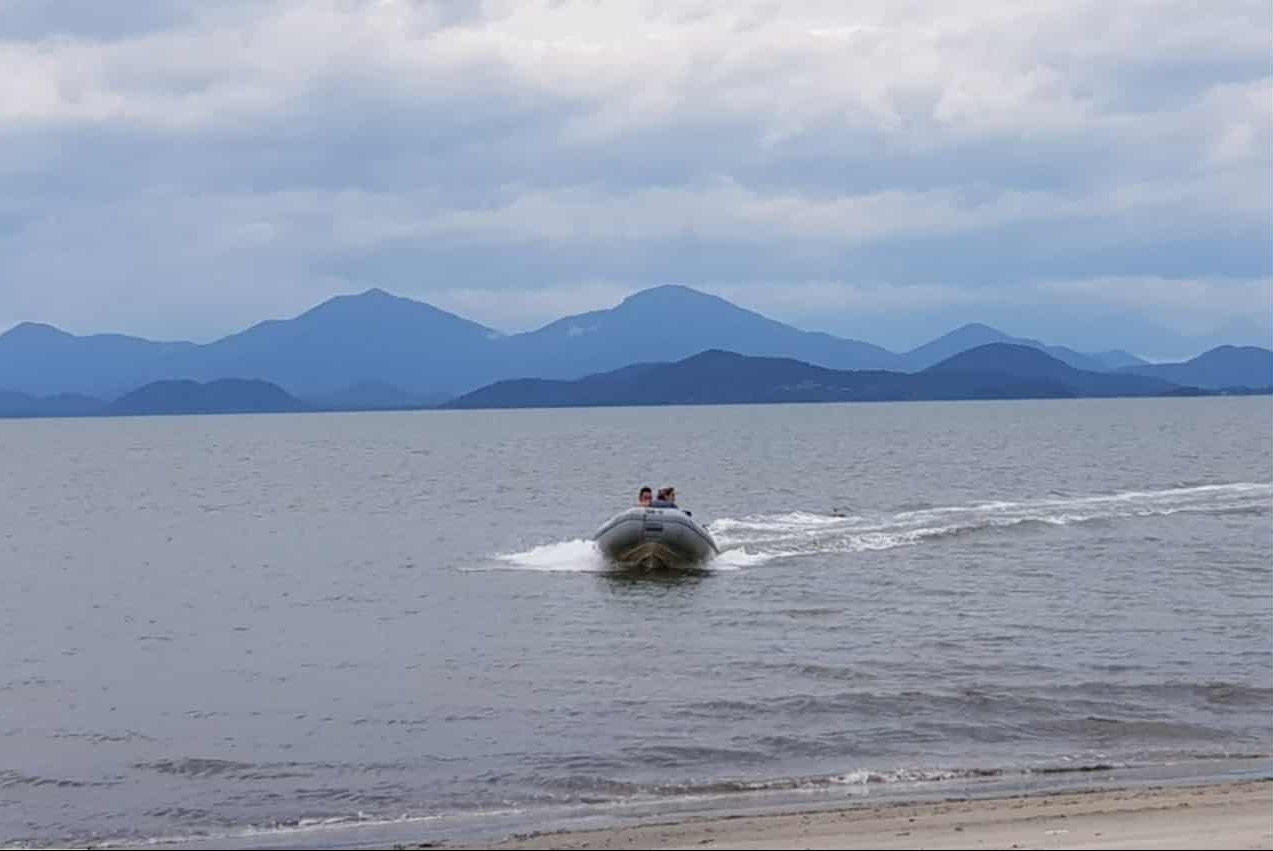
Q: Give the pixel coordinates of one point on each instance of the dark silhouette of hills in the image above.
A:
(223, 396)
(994, 371)
(217, 397)
(997, 361)
(375, 350)
(1221, 368)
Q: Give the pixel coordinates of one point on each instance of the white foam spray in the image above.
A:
(575, 556)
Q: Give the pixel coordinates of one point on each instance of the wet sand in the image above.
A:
(1234, 815)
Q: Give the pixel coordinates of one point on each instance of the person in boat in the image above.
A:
(667, 499)
(644, 497)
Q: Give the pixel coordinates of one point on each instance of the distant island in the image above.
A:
(377, 351)
(1224, 367)
(223, 396)
(993, 371)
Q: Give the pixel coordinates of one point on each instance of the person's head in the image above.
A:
(643, 498)
(667, 494)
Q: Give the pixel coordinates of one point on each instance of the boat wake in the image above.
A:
(756, 539)
(759, 538)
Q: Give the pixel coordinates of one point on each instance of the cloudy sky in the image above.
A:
(1097, 174)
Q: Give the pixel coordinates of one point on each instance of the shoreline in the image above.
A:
(1230, 808)
(1232, 814)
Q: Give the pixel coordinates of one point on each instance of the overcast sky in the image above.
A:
(1096, 174)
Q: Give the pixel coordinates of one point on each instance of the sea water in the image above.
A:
(241, 627)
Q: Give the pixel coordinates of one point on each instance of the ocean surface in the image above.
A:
(318, 629)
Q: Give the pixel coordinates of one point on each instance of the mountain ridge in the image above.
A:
(375, 338)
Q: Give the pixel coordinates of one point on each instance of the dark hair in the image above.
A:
(664, 493)
(644, 490)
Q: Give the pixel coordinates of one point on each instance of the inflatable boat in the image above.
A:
(655, 539)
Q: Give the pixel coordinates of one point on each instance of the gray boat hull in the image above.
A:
(655, 539)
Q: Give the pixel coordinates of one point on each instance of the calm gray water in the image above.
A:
(227, 625)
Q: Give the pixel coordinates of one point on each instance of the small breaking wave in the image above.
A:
(576, 788)
(10, 778)
(199, 768)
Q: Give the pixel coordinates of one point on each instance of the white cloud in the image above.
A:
(993, 66)
(725, 211)
(230, 159)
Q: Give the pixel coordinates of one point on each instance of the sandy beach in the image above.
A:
(1235, 815)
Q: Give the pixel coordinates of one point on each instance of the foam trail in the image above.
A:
(738, 558)
(760, 538)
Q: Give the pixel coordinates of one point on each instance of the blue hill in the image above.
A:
(224, 396)
(42, 360)
(1029, 363)
(1117, 359)
(996, 371)
(673, 322)
(976, 334)
(1221, 368)
(348, 340)
(17, 404)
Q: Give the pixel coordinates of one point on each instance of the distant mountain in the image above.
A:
(1116, 359)
(669, 323)
(976, 334)
(997, 361)
(15, 404)
(376, 350)
(995, 371)
(42, 360)
(223, 396)
(1224, 367)
(347, 340)
(371, 337)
